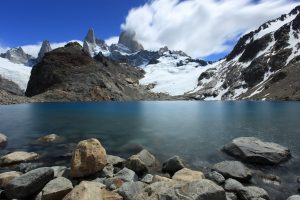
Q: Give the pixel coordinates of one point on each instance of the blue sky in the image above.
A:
(202, 28)
(30, 21)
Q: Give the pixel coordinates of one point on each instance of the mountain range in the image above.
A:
(263, 65)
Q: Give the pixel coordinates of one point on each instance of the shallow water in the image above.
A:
(194, 130)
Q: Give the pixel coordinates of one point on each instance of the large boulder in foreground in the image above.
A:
(233, 169)
(88, 158)
(57, 189)
(29, 184)
(251, 149)
(18, 157)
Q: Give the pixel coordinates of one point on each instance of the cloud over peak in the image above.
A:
(200, 27)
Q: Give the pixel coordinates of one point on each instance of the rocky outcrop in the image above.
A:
(18, 157)
(127, 38)
(29, 184)
(45, 48)
(69, 74)
(88, 158)
(17, 55)
(253, 150)
(10, 87)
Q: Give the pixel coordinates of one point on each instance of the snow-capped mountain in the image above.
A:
(262, 65)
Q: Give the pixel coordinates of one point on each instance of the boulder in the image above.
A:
(26, 167)
(131, 189)
(142, 162)
(158, 178)
(126, 175)
(233, 169)
(6, 177)
(203, 189)
(232, 185)
(216, 177)
(29, 184)
(252, 192)
(3, 139)
(294, 197)
(107, 172)
(112, 183)
(172, 165)
(57, 189)
(61, 171)
(18, 157)
(85, 191)
(88, 158)
(251, 149)
(187, 175)
(231, 196)
(148, 178)
(51, 138)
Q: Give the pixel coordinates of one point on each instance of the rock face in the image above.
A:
(28, 184)
(127, 39)
(142, 162)
(57, 189)
(10, 87)
(17, 55)
(172, 165)
(6, 177)
(3, 139)
(233, 169)
(253, 150)
(69, 74)
(45, 48)
(187, 175)
(88, 158)
(18, 157)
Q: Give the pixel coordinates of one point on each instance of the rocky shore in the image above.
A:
(95, 175)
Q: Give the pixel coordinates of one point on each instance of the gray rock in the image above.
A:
(294, 197)
(57, 189)
(90, 37)
(216, 177)
(61, 171)
(13, 89)
(230, 196)
(3, 139)
(17, 55)
(203, 189)
(45, 48)
(126, 175)
(233, 169)
(253, 150)
(26, 167)
(107, 172)
(29, 184)
(232, 185)
(142, 162)
(115, 161)
(172, 165)
(131, 189)
(148, 178)
(252, 192)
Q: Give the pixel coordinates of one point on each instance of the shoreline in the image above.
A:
(144, 165)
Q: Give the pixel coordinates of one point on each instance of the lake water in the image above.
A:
(196, 131)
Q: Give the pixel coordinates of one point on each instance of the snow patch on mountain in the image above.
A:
(17, 73)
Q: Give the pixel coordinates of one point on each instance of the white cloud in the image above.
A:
(200, 27)
(112, 40)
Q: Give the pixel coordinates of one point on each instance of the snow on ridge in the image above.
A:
(17, 73)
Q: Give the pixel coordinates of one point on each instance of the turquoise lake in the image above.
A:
(196, 131)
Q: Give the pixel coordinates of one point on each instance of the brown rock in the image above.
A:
(18, 157)
(88, 158)
(188, 175)
(8, 176)
(51, 138)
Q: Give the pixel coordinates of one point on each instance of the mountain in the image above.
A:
(17, 55)
(70, 74)
(263, 65)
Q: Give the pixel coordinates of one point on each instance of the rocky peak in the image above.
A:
(16, 55)
(127, 38)
(45, 48)
(90, 37)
